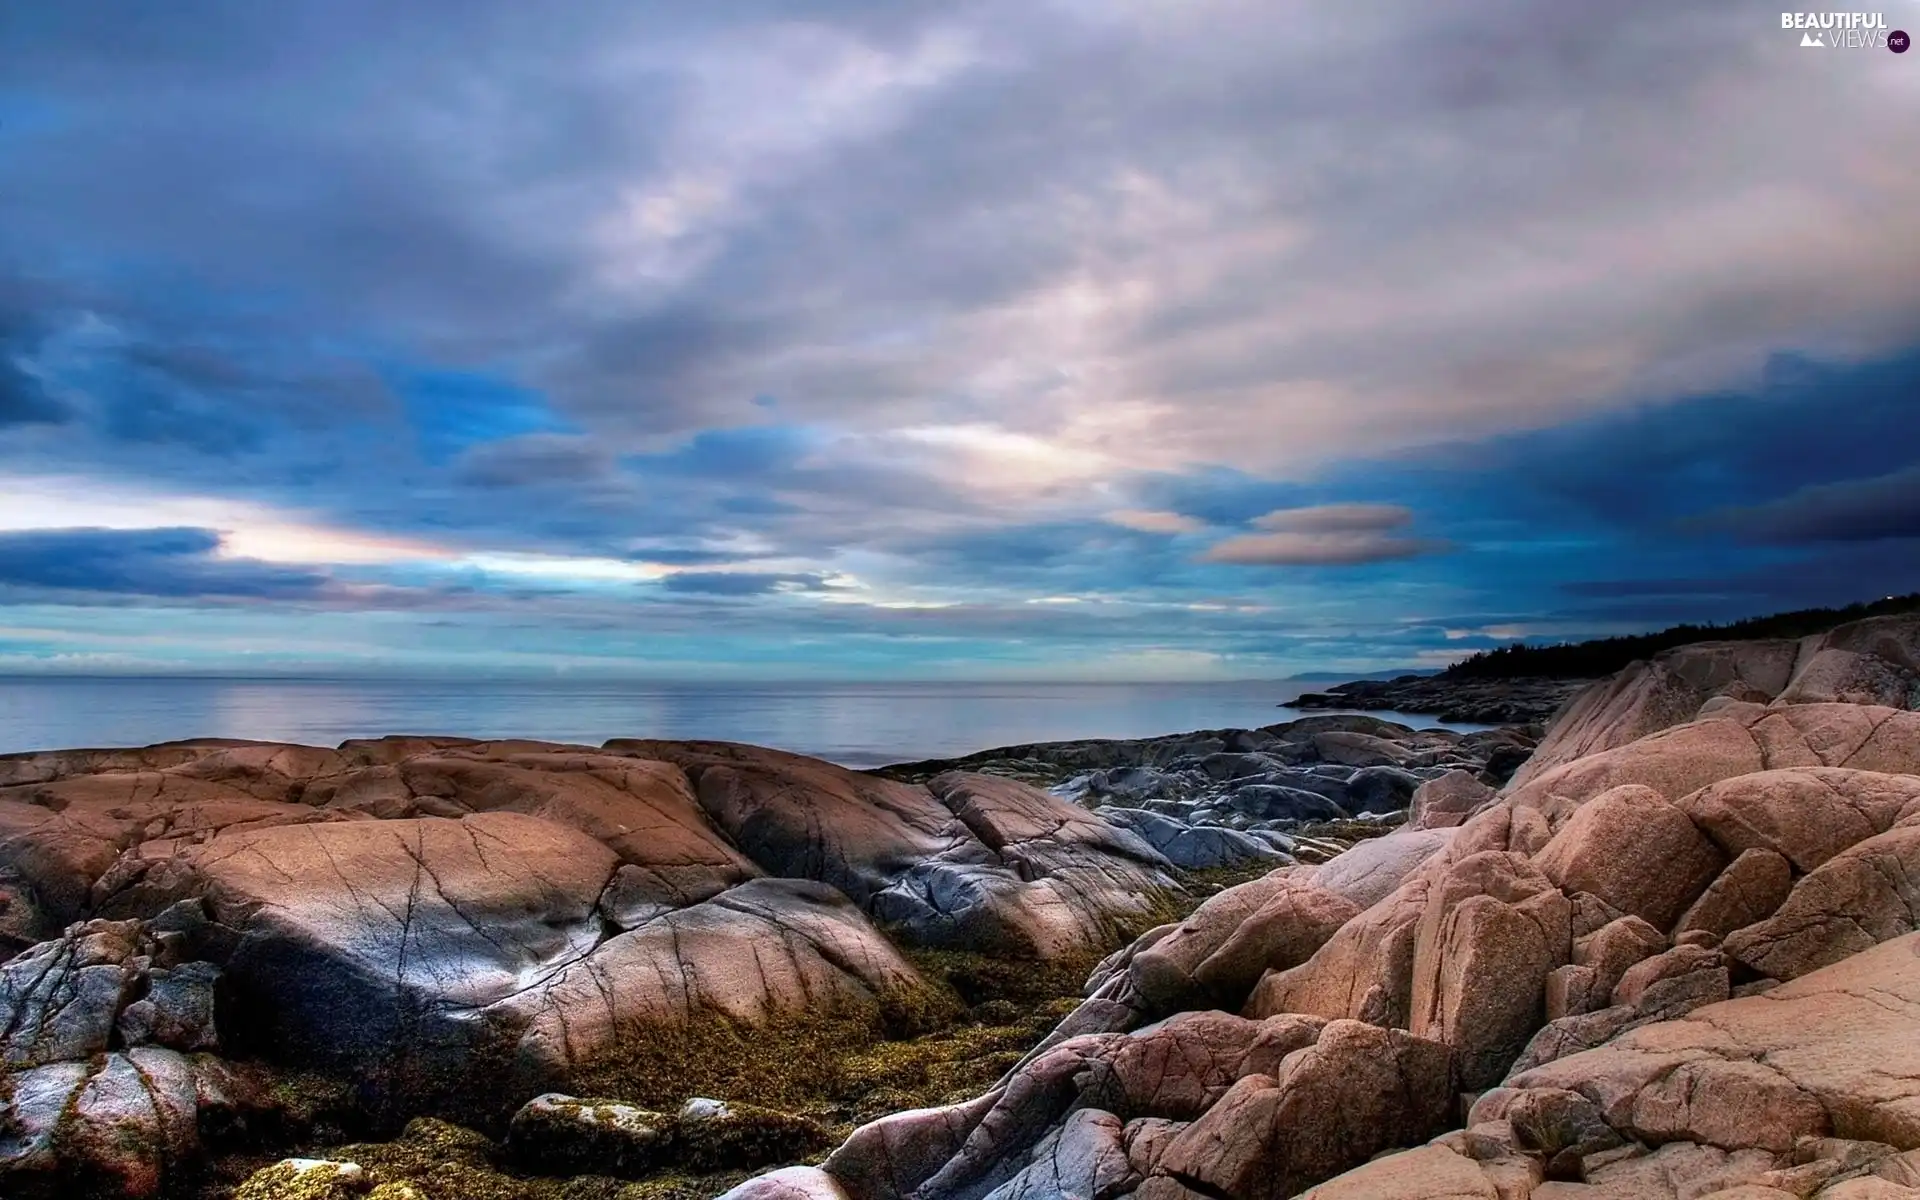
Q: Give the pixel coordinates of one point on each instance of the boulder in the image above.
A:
(1862, 896)
(1632, 849)
(1425, 1173)
(717, 1135)
(1492, 929)
(790, 1183)
(1371, 870)
(1805, 814)
(1828, 1054)
(1085, 1156)
(769, 948)
(1358, 1090)
(1177, 1069)
(1448, 800)
(123, 1124)
(1749, 890)
(557, 1134)
(62, 999)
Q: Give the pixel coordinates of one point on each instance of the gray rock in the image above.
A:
(177, 1011)
(1274, 801)
(60, 1000)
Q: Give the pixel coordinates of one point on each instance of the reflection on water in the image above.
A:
(857, 724)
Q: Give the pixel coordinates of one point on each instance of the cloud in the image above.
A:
(1854, 510)
(174, 564)
(536, 460)
(1336, 518)
(1148, 521)
(741, 583)
(1318, 549)
(977, 301)
(1326, 535)
(23, 401)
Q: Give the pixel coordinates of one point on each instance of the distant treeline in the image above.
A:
(1604, 656)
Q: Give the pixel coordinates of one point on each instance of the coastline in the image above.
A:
(1518, 701)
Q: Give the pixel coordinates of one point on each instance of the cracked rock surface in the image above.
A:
(450, 921)
(1675, 956)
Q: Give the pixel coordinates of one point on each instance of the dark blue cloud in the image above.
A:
(23, 401)
(171, 564)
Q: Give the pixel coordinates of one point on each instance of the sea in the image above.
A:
(854, 724)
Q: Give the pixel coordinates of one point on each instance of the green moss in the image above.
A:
(976, 1017)
(287, 1181)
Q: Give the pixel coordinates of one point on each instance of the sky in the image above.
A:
(1052, 339)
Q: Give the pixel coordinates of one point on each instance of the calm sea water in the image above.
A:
(856, 724)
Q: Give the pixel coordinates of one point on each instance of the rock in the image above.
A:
(1381, 789)
(1425, 1173)
(123, 1124)
(1085, 1156)
(1562, 1127)
(1178, 1069)
(1613, 948)
(768, 948)
(1357, 749)
(713, 1135)
(1679, 1169)
(1287, 929)
(1862, 896)
(1032, 1098)
(1635, 851)
(1749, 890)
(1649, 697)
(1164, 973)
(1492, 929)
(790, 1183)
(177, 1011)
(306, 1179)
(1806, 814)
(1358, 1090)
(892, 1157)
(556, 1134)
(1828, 1054)
(1269, 801)
(1193, 847)
(1368, 872)
(61, 999)
(1660, 988)
(1679, 962)
(1447, 801)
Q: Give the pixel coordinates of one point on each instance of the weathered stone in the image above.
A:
(1614, 947)
(1358, 1090)
(1492, 930)
(1830, 1053)
(1635, 851)
(1424, 1173)
(1862, 896)
(565, 1135)
(715, 1135)
(1806, 815)
(1749, 890)
(1180, 1067)
(177, 1011)
(1449, 800)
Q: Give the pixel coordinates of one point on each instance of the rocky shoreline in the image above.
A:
(1467, 701)
(1669, 951)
